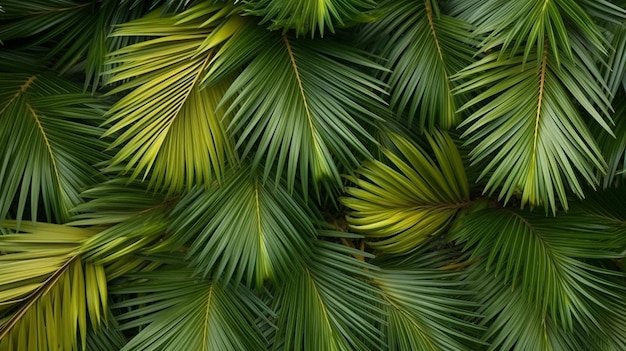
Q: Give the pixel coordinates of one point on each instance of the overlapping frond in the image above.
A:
(398, 206)
(168, 124)
(512, 322)
(546, 259)
(50, 142)
(423, 48)
(177, 312)
(533, 25)
(303, 104)
(528, 127)
(46, 292)
(615, 72)
(430, 303)
(309, 16)
(243, 230)
(128, 219)
(613, 147)
(328, 305)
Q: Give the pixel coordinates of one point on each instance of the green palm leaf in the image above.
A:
(514, 323)
(423, 48)
(546, 259)
(535, 25)
(129, 220)
(613, 147)
(169, 124)
(46, 292)
(309, 16)
(527, 124)
(301, 103)
(614, 75)
(50, 144)
(177, 312)
(243, 230)
(429, 305)
(401, 207)
(328, 305)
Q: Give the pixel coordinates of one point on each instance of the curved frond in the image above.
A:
(127, 217)
(545, 258)
(302, 103)
(50, 143)
(430, 306)
(515, 324)
(243, 230)
(176, 312)
(399, 207)
(528, 127)
(309, 16)
(46, 292)
(328, 305)
(423, 48)
(170, 125)
(533, 25)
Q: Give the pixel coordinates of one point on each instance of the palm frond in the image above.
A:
(106, 337)
(528, 126)
(515, 324)
(545, 259)
(613, 147)
(177, 312)
(429, 302)
(401, 207)
(615, 75)
(533, 25)
(46, 292)
(328, 305)
(301, 103)
(243, 230)
(309, 16)
(166, 120)
(50, 143)
(423, 48)
(129, 220)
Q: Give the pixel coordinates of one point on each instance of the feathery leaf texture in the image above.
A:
(168, 124)
(46, 292)
(50, 138)
(295, 175)
(412, 199)
(422, 48)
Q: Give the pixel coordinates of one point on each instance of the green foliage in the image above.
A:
(312, 175)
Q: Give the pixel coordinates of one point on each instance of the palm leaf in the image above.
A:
(429, 305)
(533, 25)
(178, 133)
(50, 144)
(422, 48)
(243, 230)
(528, 126)
(177, 312)
(300, 103)
(614, 74)
(515, 324)
(545, 259)
(309, 16)
(46, 292)
(401, 207)
(328, 305)
(613, 147)
(129, 220)
(107, 337)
